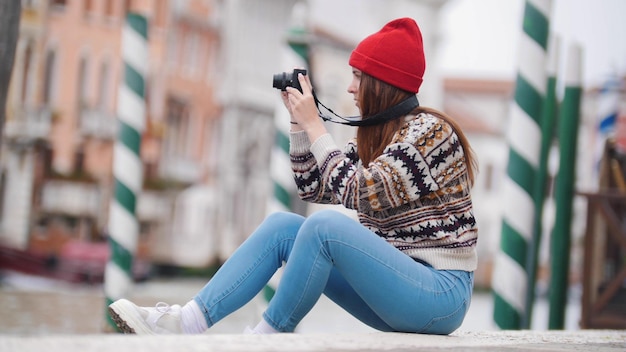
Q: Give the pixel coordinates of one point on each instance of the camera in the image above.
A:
(283, 80)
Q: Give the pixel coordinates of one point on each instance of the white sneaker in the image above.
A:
(250, 331)
(132, 319)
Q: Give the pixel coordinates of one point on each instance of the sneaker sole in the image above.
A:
(126, 318)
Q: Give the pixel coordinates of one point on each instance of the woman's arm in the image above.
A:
(426, 158)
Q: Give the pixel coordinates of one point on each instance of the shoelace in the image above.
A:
(162, 307)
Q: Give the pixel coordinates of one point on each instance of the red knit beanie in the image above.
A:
(394, 55)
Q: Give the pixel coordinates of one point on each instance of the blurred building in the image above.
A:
(27, 128)
(62, 124)
(481, 107)
(210, 122)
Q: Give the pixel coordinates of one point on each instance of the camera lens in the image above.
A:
(281, 81)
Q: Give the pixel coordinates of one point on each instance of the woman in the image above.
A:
(406, 265)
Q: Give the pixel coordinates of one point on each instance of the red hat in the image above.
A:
(394, 55)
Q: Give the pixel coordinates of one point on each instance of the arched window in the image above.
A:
(26, 74)
(103, 86)
(81, 93)
(109, 9)
(88, 7)
(49, 74)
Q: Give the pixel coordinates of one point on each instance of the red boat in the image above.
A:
(76, 261)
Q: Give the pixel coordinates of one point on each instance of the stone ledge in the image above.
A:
(585, 340)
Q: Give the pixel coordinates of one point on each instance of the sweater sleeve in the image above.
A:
(423, 158)
(306, 171)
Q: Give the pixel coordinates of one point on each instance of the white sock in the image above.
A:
(264, 328)
(192, 319)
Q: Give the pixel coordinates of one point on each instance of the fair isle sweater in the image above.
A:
(416, 195)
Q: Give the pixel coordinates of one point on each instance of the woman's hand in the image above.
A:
(285, 96)
(303, 109)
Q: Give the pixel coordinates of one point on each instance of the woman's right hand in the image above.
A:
(303, 109)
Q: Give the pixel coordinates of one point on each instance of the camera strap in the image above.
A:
(399, 110)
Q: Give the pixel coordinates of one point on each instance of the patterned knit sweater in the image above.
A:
(415, 195)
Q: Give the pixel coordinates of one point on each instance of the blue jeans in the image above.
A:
(333, 254)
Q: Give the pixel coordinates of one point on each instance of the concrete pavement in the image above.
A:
(47, 316)
(585, 340)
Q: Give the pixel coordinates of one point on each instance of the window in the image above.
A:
(58, 3)
(212, 143)
(159, 13)
(150, 170)
(191, 54)
(81, 93)
(2, 191)
(57, 6)
(28, 4)
(26, 69)
(48, 156)
(79, 160)
(88, 7)
(177, 128)
(127, 6)
(48, 84)
(103, 86)
(108, 8)
(211, 62)
(173, 49)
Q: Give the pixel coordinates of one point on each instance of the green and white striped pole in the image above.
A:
(123, 225)
(569, 118)
(295, 54)
(548, 122)
(509, 280)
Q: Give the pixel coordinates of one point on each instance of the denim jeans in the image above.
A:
(332, 254)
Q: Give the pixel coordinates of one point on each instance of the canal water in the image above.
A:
(34, 306)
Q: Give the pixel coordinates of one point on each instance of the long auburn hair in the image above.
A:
(376, 96)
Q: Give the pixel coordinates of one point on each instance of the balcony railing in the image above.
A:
(78, 198)
(29, 124)
(180, 170)
(154, 206)
(71, 198)
(98, 124)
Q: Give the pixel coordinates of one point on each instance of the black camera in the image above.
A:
(283, 80)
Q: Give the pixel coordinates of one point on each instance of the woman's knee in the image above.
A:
(322, 223)
(280, 224)
(277, 231)
(326, 217)
(284, 218)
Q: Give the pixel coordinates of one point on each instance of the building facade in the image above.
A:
(206, 150)
(209, 130)
(62, 123)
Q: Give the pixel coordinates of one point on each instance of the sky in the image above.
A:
(598, 26)
(480, 38)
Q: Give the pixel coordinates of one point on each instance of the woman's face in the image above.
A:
(353, 88)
